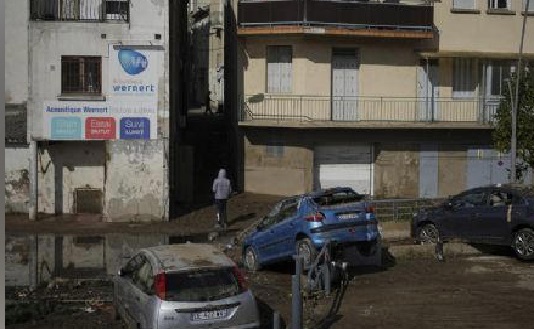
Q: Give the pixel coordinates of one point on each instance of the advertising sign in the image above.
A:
(100, 120)
(130, 110)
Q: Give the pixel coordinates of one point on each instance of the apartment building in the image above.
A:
(393, 98)
(95, 79)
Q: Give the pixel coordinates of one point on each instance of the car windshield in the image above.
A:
(201, 285)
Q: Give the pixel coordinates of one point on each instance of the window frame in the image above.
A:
(79, 63)
(456, 5)
(494, 5)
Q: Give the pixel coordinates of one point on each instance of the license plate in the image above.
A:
(209, 315)
(346, 216)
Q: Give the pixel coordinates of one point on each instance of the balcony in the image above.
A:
(413, 18)
(368, 112)
(80, 10)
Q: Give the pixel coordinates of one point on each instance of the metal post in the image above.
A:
(34, 175)
(276, 320)
(327, 279)
(516, 100)
(296, 309)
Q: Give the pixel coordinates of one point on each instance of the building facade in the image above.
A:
(393, 98)
(96, 82)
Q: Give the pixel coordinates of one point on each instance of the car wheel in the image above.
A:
(251, 260)
(523, 244)
(428, 234)
(307, 251)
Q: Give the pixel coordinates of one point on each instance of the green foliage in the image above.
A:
(525, 122)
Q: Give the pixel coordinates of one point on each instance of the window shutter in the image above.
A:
(464, 4)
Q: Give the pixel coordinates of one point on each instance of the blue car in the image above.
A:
(301, 225)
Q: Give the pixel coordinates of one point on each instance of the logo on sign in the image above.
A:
(132, 62)
(135, 128)
(66, 128)
(100, 128)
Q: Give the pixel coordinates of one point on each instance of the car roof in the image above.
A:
(188, 255)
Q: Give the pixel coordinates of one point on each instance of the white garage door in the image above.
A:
(346, 166)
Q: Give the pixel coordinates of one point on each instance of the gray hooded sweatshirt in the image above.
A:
(221, 186)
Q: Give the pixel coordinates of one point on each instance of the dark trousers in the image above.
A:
(221, 210)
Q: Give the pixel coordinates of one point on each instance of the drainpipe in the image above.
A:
(34, 174)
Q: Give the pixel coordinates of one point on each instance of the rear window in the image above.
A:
(201, 285)
(336, 198)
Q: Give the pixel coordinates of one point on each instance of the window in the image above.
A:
(499, 4)
(470, 200)
(463, 82)
(279, 60)
(497, 74)
(117, 9)
(464, 4)
(81, 75)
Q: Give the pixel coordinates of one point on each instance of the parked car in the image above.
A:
(496, 215)
(183, 286)
(302, 225)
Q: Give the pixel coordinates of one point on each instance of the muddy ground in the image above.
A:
(475, 292)
(410, 292)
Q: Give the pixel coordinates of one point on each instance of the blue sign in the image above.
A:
(132, 62)
(66, 128)
(135, 128)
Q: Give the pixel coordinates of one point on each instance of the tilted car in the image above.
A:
(496, 215)
(183, 286)
(302, 225)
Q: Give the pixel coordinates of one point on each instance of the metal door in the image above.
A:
(427, 90)
(345, 84)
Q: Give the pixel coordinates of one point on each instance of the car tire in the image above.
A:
(250, 260)
(523, 244)
(428, 234)
(306, 249)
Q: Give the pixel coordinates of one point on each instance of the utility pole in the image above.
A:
(515, 104)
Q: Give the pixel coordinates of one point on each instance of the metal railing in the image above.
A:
(364, 108)
(80, 10)
(401, 210)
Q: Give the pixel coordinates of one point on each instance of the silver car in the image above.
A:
(183, 286)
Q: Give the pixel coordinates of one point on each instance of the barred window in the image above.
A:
(81, 75)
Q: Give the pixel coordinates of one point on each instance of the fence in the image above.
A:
(398, 210)
(364, 108)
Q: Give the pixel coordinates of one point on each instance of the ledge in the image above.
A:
(465, 11)
(500, 12)
(528, 13)
(90, 98)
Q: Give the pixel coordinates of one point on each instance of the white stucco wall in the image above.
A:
(16, 51)
(17, 161)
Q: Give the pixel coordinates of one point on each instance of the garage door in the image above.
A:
(348, 166)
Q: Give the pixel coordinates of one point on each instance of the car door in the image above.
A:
(143, 298)
(493, 223)
(457, 221)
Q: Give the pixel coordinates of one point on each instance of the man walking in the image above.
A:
(221, 190)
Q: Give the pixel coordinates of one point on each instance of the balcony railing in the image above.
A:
(80, 10)
(398, 15)
(385, 109)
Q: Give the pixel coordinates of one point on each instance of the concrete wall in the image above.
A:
(135, 181)
(16, 51)
(288, 174)
(481, 31)
(17, 161)
(18, 259)
(396, 170)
